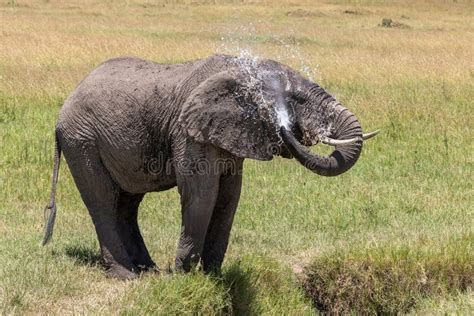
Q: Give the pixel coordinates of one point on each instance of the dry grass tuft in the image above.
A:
(389, 23)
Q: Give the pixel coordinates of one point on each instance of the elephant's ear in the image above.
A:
(218, 112)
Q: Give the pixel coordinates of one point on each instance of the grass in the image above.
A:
(389, 280)
(249, 286)
(403, 213)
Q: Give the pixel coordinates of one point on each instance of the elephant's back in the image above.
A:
(136, 75)
(113, 97)
(119, 94)
(123, 81)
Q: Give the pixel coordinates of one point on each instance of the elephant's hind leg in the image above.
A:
(130, 232)
(100, 195)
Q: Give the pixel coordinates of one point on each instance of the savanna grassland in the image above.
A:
(394, 234)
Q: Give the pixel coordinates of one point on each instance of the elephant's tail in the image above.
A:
(50, 210)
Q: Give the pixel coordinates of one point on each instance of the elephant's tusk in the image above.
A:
(370, 135)
(337, 142)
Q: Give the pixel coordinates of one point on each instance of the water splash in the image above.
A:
(270, 102)
(242, 43)
(283, 117)
(246, 41)
(281, 106)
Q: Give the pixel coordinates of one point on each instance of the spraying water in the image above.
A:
(271, 106)
(281, 107)
(283, 118)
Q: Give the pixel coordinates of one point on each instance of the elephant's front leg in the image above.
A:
(198, 198)
(218, 232)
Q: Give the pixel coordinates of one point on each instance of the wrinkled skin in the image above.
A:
(133, 126)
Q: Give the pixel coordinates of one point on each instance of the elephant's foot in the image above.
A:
(212, 268)
(142, 260)
(119, 272)
(186, 260)
(147, 267)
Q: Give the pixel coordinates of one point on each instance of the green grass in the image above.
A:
(397, 228)
(248, 286)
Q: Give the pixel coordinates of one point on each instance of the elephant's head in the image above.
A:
(258, 109)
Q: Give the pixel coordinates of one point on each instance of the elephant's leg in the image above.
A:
(198, 198)
(217, 237)
(100, 195)
(129, 231)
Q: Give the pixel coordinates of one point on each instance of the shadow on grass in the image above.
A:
(259, 285)
(241, 289)
(84, 255)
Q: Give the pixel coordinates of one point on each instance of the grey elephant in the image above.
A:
(133, 126)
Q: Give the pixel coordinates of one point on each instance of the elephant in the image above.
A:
(133, 126)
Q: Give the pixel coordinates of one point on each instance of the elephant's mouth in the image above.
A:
(348, 141)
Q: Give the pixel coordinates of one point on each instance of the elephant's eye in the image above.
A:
(290, 103)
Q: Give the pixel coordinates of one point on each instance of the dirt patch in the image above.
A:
(299, 261)
(301, 13)
(356, 12)
(389, 23)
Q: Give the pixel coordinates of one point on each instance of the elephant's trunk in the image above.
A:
(343, 157)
